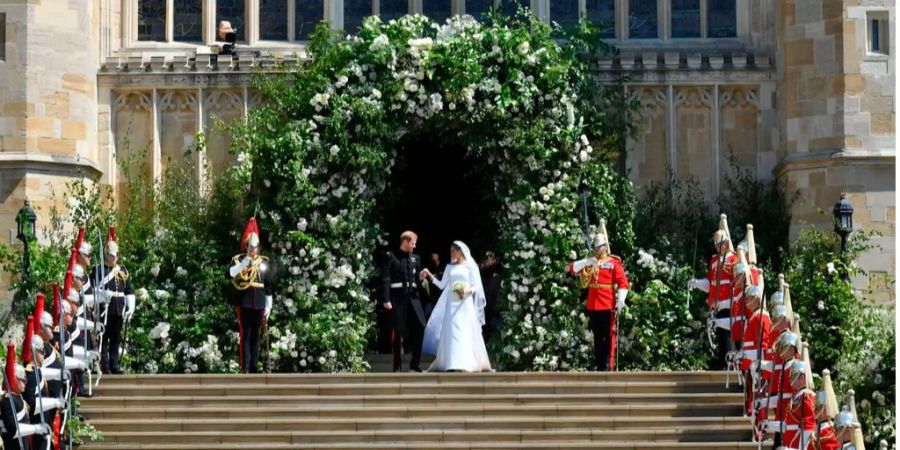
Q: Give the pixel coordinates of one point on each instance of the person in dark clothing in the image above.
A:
(490, 274)
(401, 273)
(251, 277)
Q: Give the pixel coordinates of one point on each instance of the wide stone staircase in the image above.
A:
(624, 410)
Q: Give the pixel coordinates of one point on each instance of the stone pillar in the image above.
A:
(835, 102)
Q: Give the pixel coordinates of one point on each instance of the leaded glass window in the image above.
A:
(436, 10)
(685, 18)
(232, 11)
(188, 20)
(392, 9)
(721, 19)
(642, 19)
(151, 20)
(509, 7)
(273, 25)
(308, 14)
(564, 12)
(478, 8)
(354, 13)
(603, 13)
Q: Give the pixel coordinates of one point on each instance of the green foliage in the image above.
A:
(511, 94)
(847, 333)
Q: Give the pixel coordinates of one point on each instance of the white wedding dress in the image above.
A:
(453, 333)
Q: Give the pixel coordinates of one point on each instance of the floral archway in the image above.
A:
(316, 159)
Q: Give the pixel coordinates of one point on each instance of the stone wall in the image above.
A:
(836, 105)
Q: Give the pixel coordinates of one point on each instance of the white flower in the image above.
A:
(142, 294)
(821, 305)
(160, 331)
(302, 224)
(379, 42)
(322, 360)
(831, 268)
(524, 48)
(376, 94)
(180, 272)
(420, 44)
(302, 363)
(267, 183)
(155, 270)
(334, 150)
(332, 353)
(573, 255)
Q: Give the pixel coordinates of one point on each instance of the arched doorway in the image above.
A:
(443, 195)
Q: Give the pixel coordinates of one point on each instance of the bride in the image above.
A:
(453, 333)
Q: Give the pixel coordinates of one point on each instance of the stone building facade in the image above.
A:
(797, 90)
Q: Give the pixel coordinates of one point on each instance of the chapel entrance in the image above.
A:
(441, 195)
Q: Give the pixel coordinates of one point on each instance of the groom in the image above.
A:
(401, 293)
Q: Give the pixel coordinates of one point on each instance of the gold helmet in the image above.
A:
(826, 402)
(722, 235)
(601, 237)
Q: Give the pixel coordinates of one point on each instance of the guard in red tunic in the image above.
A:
(772, 366)
(787, 346)
(845, 428)
(718, 285)
(604, 277)
(800, 420)
(755, 343)
(826, 408)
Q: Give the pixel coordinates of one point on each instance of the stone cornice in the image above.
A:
(195, 70)
(48, 162)
(818, 160)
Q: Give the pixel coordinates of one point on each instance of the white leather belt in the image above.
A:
(397, 286)
(748, 344)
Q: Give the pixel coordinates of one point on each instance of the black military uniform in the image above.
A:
(400, 280)
(118, 286)
(251, 297)
(30, 395)
(10, 419)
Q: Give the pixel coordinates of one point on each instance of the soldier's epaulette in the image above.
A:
(616, 257)
(264, 258)
(237, 258)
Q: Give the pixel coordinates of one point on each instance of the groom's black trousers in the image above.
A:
(407, 328)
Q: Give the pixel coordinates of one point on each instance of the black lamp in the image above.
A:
(25, 220)
(843, 219)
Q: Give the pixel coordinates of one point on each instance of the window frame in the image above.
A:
(882, 19)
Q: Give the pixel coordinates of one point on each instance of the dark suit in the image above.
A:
(400, 277)
(9, 415)
(118, 286)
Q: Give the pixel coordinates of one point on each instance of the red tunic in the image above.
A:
(783, 387)
(827, 438)
(608, 277)
(801, 417)
(751, 338)
(738, 313)
(720, 281)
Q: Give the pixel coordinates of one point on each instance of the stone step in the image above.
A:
(135, 401)
(611, 445)
(475, 410)
(406, 378)
(400, 424)
(486, 388)
(708, 433)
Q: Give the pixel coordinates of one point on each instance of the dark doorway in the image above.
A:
(441, 195)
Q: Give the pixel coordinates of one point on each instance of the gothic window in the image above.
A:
(354, 13)
(188, 20)
(151, 20)
(436, 10)
(686, 18)
(721, 19)
(509, 7)
(642, 19)
(307, 14)
(564, 12)
(232, 11)
(603, 13)
(392, 9)
(2, 36)
(273, 20)
(478, 8)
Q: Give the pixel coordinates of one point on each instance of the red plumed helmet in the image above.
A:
(251, 235)
(112, 243)
(80, 239)
(56, 304)
(26, 345)
(39, 307)
(67, 284)
(73, 259)
(11, 368)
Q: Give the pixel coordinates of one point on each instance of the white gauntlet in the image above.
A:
(580, 265)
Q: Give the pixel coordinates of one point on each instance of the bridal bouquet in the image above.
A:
(460, 289)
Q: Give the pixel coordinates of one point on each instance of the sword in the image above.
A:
(584, 209)
(40, 397)
(12, 405)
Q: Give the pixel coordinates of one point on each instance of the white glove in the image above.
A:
(89, 300)
(268, 307)
(236, 269)
(102, 296)
(580, 265)
(28, 430)
(129, 307)
(620, 299)
(699, 283)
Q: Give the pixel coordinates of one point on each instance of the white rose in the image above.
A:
(334, 150)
